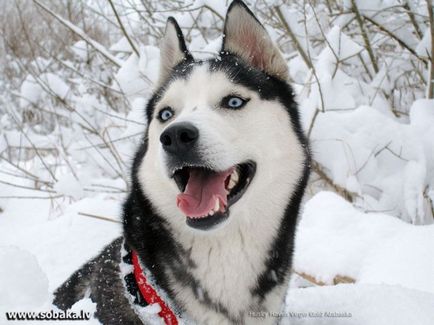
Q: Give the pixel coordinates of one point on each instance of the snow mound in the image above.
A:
(358, 304)
(386, 163)
(334, 239)
(22, 281)
(80, 49)
(69, 186)
(32, 89)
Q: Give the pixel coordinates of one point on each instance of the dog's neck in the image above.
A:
(226, 267)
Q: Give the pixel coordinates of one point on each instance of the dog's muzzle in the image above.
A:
(205, 194)
(179, 139)
(180, 143)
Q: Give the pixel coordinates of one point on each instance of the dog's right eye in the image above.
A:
(233, 101)
(165, 114)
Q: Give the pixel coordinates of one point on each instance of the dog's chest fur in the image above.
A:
(226, 272)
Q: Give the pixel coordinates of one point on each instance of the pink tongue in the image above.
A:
(202, 191)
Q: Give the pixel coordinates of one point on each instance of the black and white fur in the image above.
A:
(242, 265)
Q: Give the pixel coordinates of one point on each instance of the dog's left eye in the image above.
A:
(233, 102)
(165, 114)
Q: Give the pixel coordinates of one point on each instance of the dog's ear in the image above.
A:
(246, 37)
(172, 49)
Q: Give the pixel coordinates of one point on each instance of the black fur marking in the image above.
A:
(130, 282)
(100, 278)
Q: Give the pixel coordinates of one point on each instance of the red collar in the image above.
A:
(151, 296)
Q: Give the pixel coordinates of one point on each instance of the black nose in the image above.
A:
(179, 138)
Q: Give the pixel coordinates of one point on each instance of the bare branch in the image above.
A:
(79, 32)
(99, 217)
(430, 86)
(395, 37)
(123, 28)
(365, 36)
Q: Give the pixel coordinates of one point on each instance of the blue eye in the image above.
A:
(165, 114)
(233, 102)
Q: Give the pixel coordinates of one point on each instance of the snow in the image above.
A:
(341, 45)
(60, 244)
(137, 73)
(83, 35)
(424, 46)
(121, 46)
(22, 282)
(32, 89)
(370, 150)
(361, 304)
(68, 185)
(334, 238)
(386, 257)
(80, 49)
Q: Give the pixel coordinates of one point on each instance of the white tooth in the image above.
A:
(217, 205)
(234, 176)
(231, 184)
(211, 213)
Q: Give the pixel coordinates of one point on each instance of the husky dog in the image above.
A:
(216, 187)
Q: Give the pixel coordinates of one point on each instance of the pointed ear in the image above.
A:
(246, 37)
(172, 49)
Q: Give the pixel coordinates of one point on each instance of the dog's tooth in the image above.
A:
(231, 184)
(211, 213)
(235, 177)
(217, 205)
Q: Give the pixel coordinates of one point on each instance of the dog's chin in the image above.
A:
(206, 195)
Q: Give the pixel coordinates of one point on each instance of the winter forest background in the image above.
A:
(74, 80)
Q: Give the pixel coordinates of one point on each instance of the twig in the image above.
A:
(336, 280)
(430, 92)
(346, 194)
(32, 197)
(99, 217)
(26, 187)
(293, 37)
(429, 200)
(26, 172)
(410, 14)
(18, 124)
(395, 37)
(364, 35)
(123, 28)
(306, 58)
(80, 33)
(312, 123)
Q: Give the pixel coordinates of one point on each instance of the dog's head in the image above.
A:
(224, 138)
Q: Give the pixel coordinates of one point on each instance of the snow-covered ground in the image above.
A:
(71, 117)
(388, 259)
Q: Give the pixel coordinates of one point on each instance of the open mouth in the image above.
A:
(206, 195)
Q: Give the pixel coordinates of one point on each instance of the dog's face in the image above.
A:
(223, 134)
